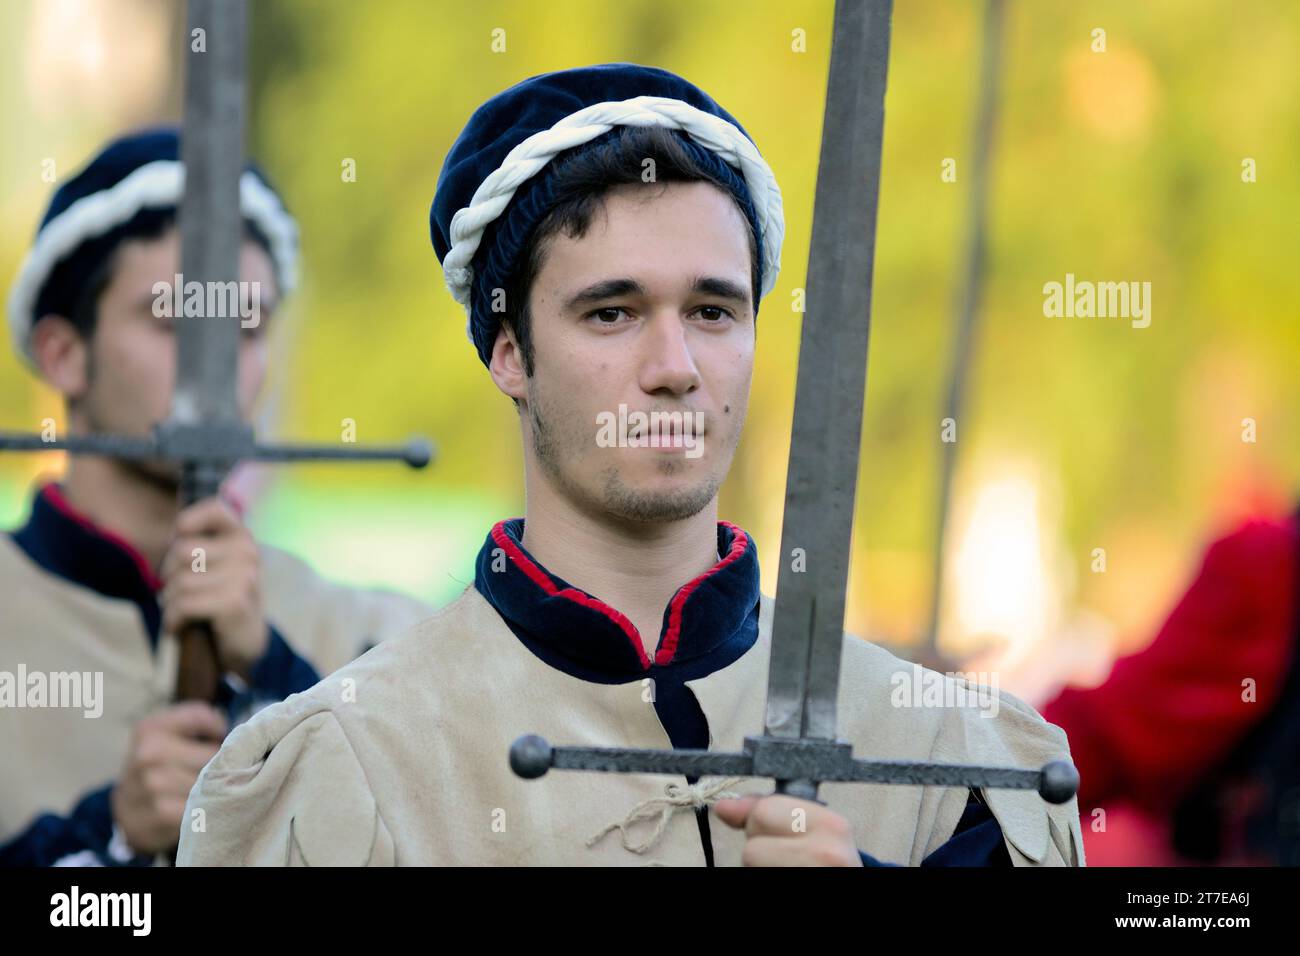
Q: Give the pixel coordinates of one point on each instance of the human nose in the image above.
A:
(667, 364)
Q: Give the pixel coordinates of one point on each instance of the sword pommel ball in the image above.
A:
(1060, 781)
(418, 453)
(530, 756)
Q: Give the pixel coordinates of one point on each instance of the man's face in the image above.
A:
(132, 353)
(651, 310)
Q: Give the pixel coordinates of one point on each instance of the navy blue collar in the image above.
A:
(66, 543)
(709, 623)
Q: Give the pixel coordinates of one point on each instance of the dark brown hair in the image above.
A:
(580, 182)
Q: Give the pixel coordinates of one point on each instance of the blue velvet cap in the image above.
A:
(493, 188)
(130, 189)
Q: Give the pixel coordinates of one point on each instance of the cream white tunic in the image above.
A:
(401, 758)
(52, 756)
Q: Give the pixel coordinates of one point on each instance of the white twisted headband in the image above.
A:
(531, 156)
(159, 183)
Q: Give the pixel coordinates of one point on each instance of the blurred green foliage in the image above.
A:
(1118, 165)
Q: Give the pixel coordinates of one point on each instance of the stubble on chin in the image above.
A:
(160, 473)
(613, 496)
(631, 504)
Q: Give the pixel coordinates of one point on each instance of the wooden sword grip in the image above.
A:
(199, 673)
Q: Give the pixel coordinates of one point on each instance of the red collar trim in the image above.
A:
(543, 580)
(668, 646)
(54, 495)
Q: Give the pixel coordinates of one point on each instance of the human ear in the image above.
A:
(61, 353)
(507, 365)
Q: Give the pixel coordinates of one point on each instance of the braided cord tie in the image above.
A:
(693, 796)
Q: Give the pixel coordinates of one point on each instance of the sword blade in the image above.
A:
(212, 149)
(808, 627)
(207, 345)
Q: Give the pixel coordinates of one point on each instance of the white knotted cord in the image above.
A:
(693, 796)
(531, 156)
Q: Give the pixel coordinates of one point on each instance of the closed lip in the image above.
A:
(675, 430)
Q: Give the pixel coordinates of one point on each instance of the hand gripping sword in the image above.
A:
(798, 747)
(204, 434)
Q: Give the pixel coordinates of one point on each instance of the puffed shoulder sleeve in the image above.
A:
(286, 789)
(1037, 833)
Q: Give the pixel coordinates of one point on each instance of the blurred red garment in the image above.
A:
(1168, 745)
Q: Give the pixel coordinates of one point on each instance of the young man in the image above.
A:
(103, 575)
(610, 230)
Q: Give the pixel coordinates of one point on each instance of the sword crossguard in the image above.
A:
(531, 756)
(798, 765)
(215, 446)
(1060, 781)
(205, 452)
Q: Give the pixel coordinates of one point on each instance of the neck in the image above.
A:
(122, 502)
(635, 567)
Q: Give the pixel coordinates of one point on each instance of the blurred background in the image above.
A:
(1078, 434)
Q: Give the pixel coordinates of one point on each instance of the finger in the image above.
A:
(188, 584)
(170, 781)
(775, 851)
(735, 811)
(172, 810)
(214, 604)
(217, 554)
(165, 749)
(177, 620)
(220, 592)
(190, 755)
(779, 815)
(209, 516)
(193, 718)
(180, 555)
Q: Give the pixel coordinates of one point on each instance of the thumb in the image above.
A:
(735, 811)
(195, 718)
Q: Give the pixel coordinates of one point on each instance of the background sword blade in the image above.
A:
(212, 149)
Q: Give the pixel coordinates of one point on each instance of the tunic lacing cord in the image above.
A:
(694, 796)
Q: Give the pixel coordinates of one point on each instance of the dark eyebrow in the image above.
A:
(145, 303)
(722, 288)
(605, 289)
(612, 288)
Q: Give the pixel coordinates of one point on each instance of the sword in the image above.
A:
(798, 747)
(204, 433)
(966, 304)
